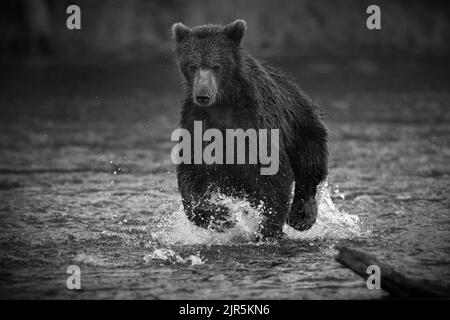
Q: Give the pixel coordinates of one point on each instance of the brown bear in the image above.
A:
(226, 88)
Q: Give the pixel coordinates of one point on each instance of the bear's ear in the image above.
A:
(235, 30)
(180, 31)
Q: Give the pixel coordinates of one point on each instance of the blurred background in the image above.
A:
(86, 117)
(124, 49)
(140, 29)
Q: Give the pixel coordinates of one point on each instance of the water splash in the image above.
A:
(175, 228)
(331, 223)
(171, 257)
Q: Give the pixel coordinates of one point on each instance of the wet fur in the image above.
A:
(252, 95)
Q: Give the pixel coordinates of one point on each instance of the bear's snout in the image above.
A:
(205, 88)
(203, 100)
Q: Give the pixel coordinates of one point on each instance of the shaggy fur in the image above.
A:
(250, 95)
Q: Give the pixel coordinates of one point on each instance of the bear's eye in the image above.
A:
(217, 67)
(192, 68)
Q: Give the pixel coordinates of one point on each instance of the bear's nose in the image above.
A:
(202, 99)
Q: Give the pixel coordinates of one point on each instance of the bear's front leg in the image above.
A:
(194, 187)
(303, 211)
(211, 216)
(309, 164)
(272, 198)
(274, 215)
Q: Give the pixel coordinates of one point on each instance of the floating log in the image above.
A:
(392, 281)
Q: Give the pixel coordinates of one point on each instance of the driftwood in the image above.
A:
(395, 283)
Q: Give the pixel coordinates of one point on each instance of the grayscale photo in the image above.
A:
(224, 155)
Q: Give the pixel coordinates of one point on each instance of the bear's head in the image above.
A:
(207, 57)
